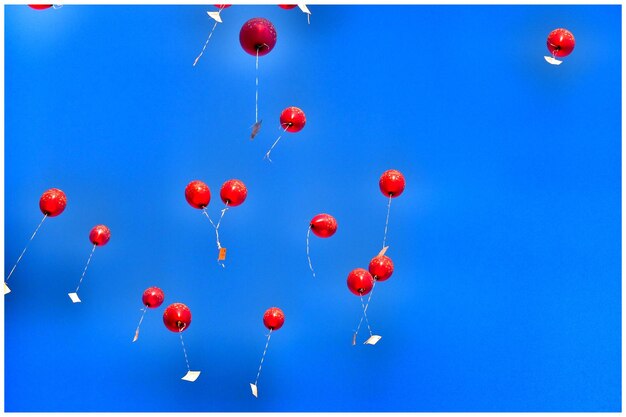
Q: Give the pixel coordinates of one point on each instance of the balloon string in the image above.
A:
(263, 357)
(180, 332)
(267, 155)
(26, 247)
(308, 233)
(205, 44)
(365, 315)
(216, 227)
(387, 222)
(86, 266)
(365, 311)
(140, 321)
(256, 108)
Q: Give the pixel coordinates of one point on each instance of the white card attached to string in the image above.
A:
(255, 129)
(382, 252)
(552, 60)
(215, 16)
(191, 376)
(373, 339)
(74, 297)
(304, 8)
(6, 289)
(136, 336)
(254, 390)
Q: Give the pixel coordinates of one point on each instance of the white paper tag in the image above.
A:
(6, 289)
(136, 335)
(552, 61)
(191, 376)
(372, 340)
(74, 297)
(382, 252)
(304, 8)
(354, 339)
(254, 391)
(215, 16)
(255, 129)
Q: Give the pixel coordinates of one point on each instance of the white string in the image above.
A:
(365, 311)
(216, 227)
(365, 315)
(308, 233)
(180, 332)
(86, 266)
(205, 44)
(140, 320)
(263, 357)
(387, 221)
(24, 251)
(256, 108)
(267, 155)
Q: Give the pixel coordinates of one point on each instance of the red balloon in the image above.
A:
(360, 282)
(40, 6)
(52, 202)
(274, 318)
(287, 6)
(100, 235)
(222, 6)
(177, 317)
(198, 194)
(561, 42)
(381, 268)
(257, 34)
(391, 183)
(153, 297)
(233, 193)
(323, 225)
(293, 119)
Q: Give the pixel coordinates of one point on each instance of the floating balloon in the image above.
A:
(380, 268)
(257, 37)
(152, 298)
(560, 43)
(51, 203)
(177, 318)
(322, 225)
(198, 194)
(273, 319)
(292, 120)
(301, 6)
(39, 6)
(391, 184)
(361, 282)
(218, 19)
(99, 236)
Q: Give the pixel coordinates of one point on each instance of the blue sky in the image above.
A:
(506, 241)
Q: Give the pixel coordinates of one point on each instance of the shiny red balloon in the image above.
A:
(391, 183)
(292, 119)
(222, 6)
(100, 235)
(287, 6)
(153, 297)
(40, 6)
(381, 268)
(177, 317)
(561, 42)
(360, 282)
(323, 225)
(274, 318)
(233, 193)
(257, 34)
(198, 194)
(52, 202)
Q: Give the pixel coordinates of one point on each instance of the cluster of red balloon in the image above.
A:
(52, 203)
(361, 282)
(233, 193)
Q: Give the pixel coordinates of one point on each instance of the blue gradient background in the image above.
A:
(506, 294)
